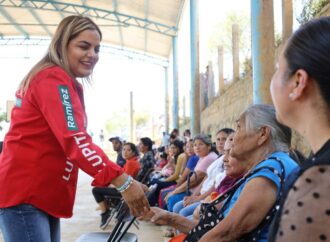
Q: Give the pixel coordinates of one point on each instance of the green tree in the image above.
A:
(141, 120)
(311, 9)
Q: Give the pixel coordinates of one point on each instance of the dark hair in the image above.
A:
(172, 136)
(178, 144)
(175, 132)
(187, 131)
(163, 155)
(133, 148)
(161, 149)
(228, 131)
(146, 141)
(309, 49)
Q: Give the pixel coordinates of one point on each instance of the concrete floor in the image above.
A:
(86, 218)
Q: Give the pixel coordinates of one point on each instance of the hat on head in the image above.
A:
(116, 138)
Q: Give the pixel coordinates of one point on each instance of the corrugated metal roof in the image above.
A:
(142, 25)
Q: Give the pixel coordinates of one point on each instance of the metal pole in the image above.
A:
(194, 69)
(175, 110)
(166, 101)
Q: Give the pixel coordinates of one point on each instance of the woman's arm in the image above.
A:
(183, 176)
(177, 171)
(196, 196)
(194, 181)
(253, 204)
(163, 217)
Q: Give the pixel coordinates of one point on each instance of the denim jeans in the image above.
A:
(174, 199)
(185, 211)
(26, 223)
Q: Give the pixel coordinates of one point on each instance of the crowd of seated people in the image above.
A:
(256, 187)
(245, 199)
(236, 179)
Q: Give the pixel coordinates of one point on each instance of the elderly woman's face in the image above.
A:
(232, 166)
(201, 149)
(244, 142)
(280, 91)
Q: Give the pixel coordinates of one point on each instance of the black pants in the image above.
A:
(100, 193)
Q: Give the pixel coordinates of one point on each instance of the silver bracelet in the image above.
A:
(126, 185)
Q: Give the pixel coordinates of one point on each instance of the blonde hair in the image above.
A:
(68, 29)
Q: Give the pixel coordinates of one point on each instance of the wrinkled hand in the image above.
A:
(135, 198)
(189, 200)
(157, 216)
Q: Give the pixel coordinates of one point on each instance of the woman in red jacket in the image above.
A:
(47, 141)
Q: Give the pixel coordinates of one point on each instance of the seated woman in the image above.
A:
(147, 161)
(132, 166)
(215, 174)
(190, 166)
(204, 150)
(261, 143)
(177, 156)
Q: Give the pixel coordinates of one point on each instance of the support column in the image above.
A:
(194, 69)
(287, 19)
(210, 88)
(131, 119)
(175, 110)
(166, 113)
(262, 30)
(235, 51)
(220, 67)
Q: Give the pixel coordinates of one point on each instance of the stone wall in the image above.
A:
(225, 109)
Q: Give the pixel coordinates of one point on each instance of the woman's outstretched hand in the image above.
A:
(156, 216)
(134, 196)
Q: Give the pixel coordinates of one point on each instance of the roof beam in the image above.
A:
(60, 13)
(113, 50)
(115, 8)
(39, 20)
(124, 19)
(11, 20)
(146, 15)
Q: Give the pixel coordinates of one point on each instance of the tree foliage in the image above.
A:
(311, 9)
(222, 34)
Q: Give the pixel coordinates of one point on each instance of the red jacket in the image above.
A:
(132, 166)
(46, 144)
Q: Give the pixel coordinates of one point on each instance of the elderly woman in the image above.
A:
(262, 144)
(300, 90)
